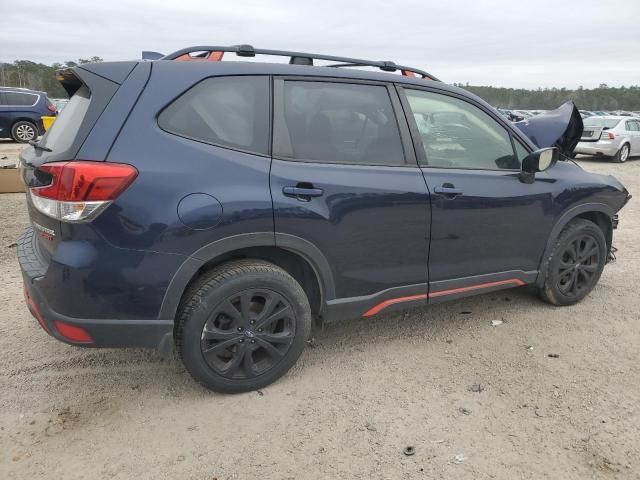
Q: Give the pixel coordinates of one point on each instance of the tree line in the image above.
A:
(601, 98)
(38, 76)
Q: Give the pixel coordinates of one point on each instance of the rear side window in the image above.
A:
(341, 123)
(17, 99)
(63, 132)
(225, 111)
(633, 126)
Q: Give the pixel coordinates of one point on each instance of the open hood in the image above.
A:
(560, 128)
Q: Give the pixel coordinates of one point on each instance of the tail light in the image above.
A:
(79, 191)
(608, 136)
(52, 108)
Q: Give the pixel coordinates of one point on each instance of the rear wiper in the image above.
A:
(37, 146)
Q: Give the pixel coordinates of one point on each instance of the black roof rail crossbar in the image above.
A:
(297, 58)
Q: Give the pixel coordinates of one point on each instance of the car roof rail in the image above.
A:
(215, 54)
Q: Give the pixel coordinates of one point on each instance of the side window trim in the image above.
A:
(417, 139)
(282, 148)
(23, 106)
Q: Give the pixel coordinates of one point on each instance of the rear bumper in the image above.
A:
(597, 148)
(100, 333)
(40, 285)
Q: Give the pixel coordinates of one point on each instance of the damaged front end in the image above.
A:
(561, 128)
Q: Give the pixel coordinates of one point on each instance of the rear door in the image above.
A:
(344, 179)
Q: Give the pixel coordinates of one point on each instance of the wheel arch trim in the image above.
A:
(189, 268)
(564, 219)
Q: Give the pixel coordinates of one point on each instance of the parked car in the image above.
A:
(20, 112)
(523, 113)
(586, 113)
(615, 137)
(230, 208)
(510, 115)
(59, 103)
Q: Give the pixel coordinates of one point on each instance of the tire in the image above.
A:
(584, 269)
(622, 155)
(220, 346)
(24, 132)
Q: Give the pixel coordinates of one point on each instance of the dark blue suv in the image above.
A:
(227, 209)
(21, 111)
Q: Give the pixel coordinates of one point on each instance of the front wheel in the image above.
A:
(575, 264)
(242, 326)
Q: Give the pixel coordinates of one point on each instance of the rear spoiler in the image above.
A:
(149, 55)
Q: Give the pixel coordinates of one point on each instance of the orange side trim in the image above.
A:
(382, 305)
(393, 301)
(470, 288)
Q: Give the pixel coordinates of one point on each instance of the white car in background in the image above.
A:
(617, 137)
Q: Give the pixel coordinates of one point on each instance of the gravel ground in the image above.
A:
(351, 404)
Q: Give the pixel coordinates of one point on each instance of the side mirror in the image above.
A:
(538, 161)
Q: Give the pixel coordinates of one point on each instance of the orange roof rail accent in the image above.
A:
(211, 57)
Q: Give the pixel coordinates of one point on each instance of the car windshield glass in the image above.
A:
(600, 122)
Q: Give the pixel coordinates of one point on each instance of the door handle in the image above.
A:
(303, 193)
(448, 190)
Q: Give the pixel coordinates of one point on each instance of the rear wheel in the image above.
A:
(622, 155)
(242, 326)
(24, 132)
(575, 264)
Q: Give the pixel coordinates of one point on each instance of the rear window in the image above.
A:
(65, 128)
(229, 112)
(18, 99)
(600, 122)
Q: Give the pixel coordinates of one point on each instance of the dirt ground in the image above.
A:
(352, 403)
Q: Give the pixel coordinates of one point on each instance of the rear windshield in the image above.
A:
(63, 131)
(600, 122)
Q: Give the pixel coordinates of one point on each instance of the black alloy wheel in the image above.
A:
(578, 266)
(242, 325)
(248, 333)
(574, 264)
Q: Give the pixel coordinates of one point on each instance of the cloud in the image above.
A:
(496, 42)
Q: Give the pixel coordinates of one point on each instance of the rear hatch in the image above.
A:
(90, 94)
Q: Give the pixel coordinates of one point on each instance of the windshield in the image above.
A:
(600, 122)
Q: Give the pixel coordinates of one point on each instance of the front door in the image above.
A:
(344, 178)
(488, 228)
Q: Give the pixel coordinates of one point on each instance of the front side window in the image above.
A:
(225, 111)
(17, 99)
(457, 134)
(341, 123)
